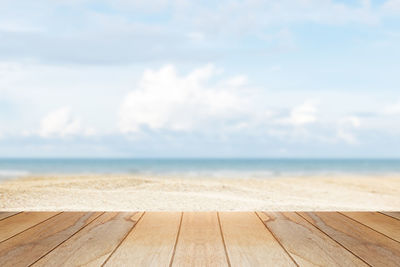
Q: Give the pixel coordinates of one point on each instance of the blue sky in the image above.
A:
(182, 78)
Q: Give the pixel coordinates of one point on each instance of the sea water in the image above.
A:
(196, 168)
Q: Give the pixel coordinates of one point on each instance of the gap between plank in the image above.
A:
(337, 242)
(223, 240)
(31, 227)
(273, 235)
(64, 241)
(368, 227)
(123, 239)
(176, 241)
(390, 216)
(10, 216)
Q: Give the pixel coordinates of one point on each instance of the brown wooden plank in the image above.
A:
(200, 241)
(20, 222)
(249, 243)
(306, 244)
(384, 224)
(4, 215)
(150, 243)
(29, 246)
(92, 245)
(371, 246)
(395, 215)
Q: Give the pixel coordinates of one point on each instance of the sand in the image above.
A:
(128, 193)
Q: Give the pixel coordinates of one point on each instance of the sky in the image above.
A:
(180, 78)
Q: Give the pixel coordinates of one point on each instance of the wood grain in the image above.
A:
(384, 224)
(20, 222)
(150, 243)
(249, 243)
(307, 245)
(395, 215)
(27, 247)
(92, 245)
(374, 248)
(4, 215)
(200, 241)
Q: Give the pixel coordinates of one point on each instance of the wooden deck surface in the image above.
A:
(199, 239)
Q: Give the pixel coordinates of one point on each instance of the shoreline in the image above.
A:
(142, 193)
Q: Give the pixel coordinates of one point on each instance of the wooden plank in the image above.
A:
(200, 241)
(29, 246)
(395, 215)
(249, 243)
(150, 243)
(384, 224)
(374, 248)
(20, 222)
(93, 245)
(306, 244)
(4, 215)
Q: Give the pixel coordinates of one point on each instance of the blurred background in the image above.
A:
(248, 79)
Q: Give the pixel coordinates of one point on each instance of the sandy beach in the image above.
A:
(127, 193)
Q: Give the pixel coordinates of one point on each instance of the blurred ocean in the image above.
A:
(239, 168)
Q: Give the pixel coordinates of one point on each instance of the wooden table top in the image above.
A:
(199, 238)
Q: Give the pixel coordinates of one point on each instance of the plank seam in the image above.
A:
(368, 227)
(390, 216)
(273, 235)
(62, 242)
(223, 241)
(337, 242)
(123, 239)
(10, 216)
(176, 240)
(31, 227)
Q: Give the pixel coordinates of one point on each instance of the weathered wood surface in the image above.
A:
(151, 242)
(307, 245)
(369, 245)
(20, 222)
(4, 215)
(249, 243)
(199, 239)
(93, 244)
(379, 222)
(30, 245)
(395, 215)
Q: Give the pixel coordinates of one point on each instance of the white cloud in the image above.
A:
(196, 36)
(352, 121)
(198, 101)
(346, 127)
(392, 109)
(18, 27)
(301, 115)
(125, 36)
(143, 6)
(231, 17)
(61, 123)
(391, 6)
(237, 81)
(166, 100)
(347, 136)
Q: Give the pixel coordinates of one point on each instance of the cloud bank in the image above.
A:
(315, 77)
(61, 123)
(169, 101)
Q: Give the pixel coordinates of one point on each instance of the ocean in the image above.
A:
(241, 168)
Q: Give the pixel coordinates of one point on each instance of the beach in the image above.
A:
(142, 193)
